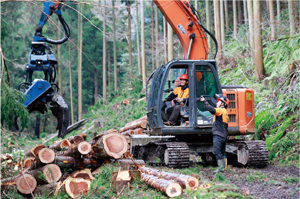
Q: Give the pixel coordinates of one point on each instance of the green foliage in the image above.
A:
(11, 105)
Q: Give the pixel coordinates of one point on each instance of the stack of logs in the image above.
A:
(133, 128)
(42, 167)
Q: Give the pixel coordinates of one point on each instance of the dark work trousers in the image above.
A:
(174, 114)
(219, 147)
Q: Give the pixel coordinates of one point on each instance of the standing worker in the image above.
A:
(219, 129)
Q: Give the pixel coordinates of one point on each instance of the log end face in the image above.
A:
(52, 173)
(84, 147)
(46, 155)
(75, 187)
(173, 190)
(22, 185)
(192, 182)
(115, 145)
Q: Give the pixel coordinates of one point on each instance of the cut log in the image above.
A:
(185, 181)
(26, 184)
(83, 135)
(46, 156)
(82, 148)
(129, 132)
(76, 139)
(85, 174)
(49, 173)
(134, 125)
(129, 164)
(112, 145)
(168, 187)
(34, 151)
(142, 118)
(58, 146)
(28, 162)
(139, 131)
(71, 162)
(127, 154)
(111, 131)
(77, 186)
(45, 190)
(10, 181)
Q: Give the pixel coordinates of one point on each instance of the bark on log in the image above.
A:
(129, 164)
(46, 156)
(34, 151)
(129, 132)
(26, 184)
(85, 174)
(28, 162)
(185, 181)
(77, 186)
(58, 146)
(168, 187)
(134, 125)
(45, 190)
(76, 139)
(71, 162)
(83, 135)
(139, 131)
(82, 148)
(10, 181)
(111, 131)
(112, 145)
(49, 173)
(142, 118)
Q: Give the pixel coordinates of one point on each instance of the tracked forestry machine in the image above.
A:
(172, 145)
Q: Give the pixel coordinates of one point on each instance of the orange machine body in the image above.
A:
(241, 110)
(179, 16)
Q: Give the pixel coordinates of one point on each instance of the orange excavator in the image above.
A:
(172, 145)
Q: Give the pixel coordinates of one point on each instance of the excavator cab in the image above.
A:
(203, 80)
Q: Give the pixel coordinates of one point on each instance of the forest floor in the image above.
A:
(269, 182)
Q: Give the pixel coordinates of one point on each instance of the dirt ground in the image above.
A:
(269, 182)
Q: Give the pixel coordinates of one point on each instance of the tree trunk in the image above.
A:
(58, 146)
(80, 62)
(222, 22)
(95, 86)
(152, 37)
(104, 54)
(109, 64)
(142, 118)
(46, 156)
(112, 145)
(278, 13)
(85, 174)
(59, 65)
(45, 190)
(208, 22)
(165, 39)
(82, 148)
(239, 10)
(71, 87)
(185, 181)
(251, 29)
(196, 5)
(144, 69)
(37, 126)
(218, 27)
(71, 162)
(26, 184)
(139, 131)
(272, 20)
(129, 39)
(156, 37)
(138, 38)
(170, 43)
(168, 187)
(114, 47)
(77, 186)
(245, 11)
(47, 174)
(291, 18)
(34, 151)
(234, 19)
(138, 124)
(259, 65)
(130, 164)
(226, 15)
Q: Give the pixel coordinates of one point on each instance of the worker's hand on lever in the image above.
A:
(165, 100)
(179, 100)
(202, 99)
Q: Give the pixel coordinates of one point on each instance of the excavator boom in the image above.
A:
(179, 14)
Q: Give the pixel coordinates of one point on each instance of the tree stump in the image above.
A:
(77, 186)
(112, 145)
(26, 184)
(49, 173)
(168, 187)
(85, 174)
(58, 146)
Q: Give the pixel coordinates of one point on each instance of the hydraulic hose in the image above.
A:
(212, 36)
(67, 33)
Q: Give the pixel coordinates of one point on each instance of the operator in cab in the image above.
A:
(182, 94)
(219, 129)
